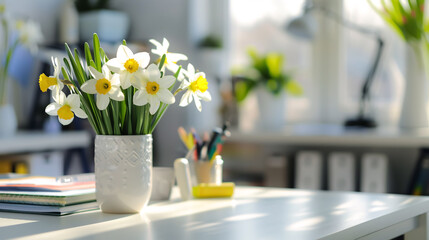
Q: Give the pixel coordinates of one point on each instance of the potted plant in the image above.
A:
(265, 76)
(96, 17)
(124, 99)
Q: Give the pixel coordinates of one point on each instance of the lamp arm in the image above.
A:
(339, 19)
(372, 71)
(370, 77)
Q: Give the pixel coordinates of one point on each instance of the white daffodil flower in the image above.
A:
(152, 88)
(105, 85)
(30, 34)
(52, 83)
(171, 59)
(65, 108)
(127, 63)
(196, 88)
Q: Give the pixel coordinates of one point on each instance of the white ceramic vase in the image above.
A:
(8, 121)
(123, 172)
(414, 112)
(272, 109)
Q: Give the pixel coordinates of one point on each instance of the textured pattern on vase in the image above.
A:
(123, 170)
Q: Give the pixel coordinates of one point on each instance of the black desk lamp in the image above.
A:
(304, 27)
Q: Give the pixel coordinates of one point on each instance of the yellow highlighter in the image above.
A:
(211, 190)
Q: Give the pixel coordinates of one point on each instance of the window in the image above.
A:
(262, 24)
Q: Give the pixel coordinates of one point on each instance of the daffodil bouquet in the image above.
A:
(126, 95)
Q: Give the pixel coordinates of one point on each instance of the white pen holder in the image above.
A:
(207, 171)
(192, 173)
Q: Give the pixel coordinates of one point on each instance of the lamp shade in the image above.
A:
(304, 26)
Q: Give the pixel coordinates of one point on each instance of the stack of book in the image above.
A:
(48, 195)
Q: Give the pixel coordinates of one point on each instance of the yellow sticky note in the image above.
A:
(211, 190)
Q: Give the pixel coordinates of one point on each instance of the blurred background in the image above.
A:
(297, 135)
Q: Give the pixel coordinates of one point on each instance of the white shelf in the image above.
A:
(35, 141)
(334, 135)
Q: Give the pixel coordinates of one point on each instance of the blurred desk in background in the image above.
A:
(35, 141)
(44, 154)
(334, 135)
(256, 153)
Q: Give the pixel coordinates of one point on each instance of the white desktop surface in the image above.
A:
(253, 213)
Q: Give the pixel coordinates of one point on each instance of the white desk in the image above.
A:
(253, 213)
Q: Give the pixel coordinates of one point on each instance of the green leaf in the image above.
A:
(176, 75)
(97, 57)
(294, 88)
(88, 55)
(242, 89)
(161, 62)
(274, 64)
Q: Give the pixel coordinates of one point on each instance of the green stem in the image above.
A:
(4, 73)
(157, 118)
(107, 122)
(129, 112)
(115, 111)
(146, 122)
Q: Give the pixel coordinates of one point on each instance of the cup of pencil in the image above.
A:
(204, 155)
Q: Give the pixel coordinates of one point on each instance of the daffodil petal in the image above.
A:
(142, 59)
(125, 78)
(106, 72)
(186, 99)
(154, 105)
(65, 122)
(116, 93)
(165, 44)
(124, 53)
(96, 74)
(184, 84)
(89, 86)
(115, 81)
(175, 57)
(156, 43)
(153, 72)
(139, 80)
(166, 96)
(59, 98)
(197, 102)
(79, 113)
(52, 109)
(140, 98)
(73, 100)
(114, 65)
(166, 81)
(205, 96)
(102, 101)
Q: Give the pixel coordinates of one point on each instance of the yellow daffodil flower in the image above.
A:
(65, 108)
(127, 63)
(52, 83)
(171, 59)
(152, 88)
(105, 85)
(196, 88)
